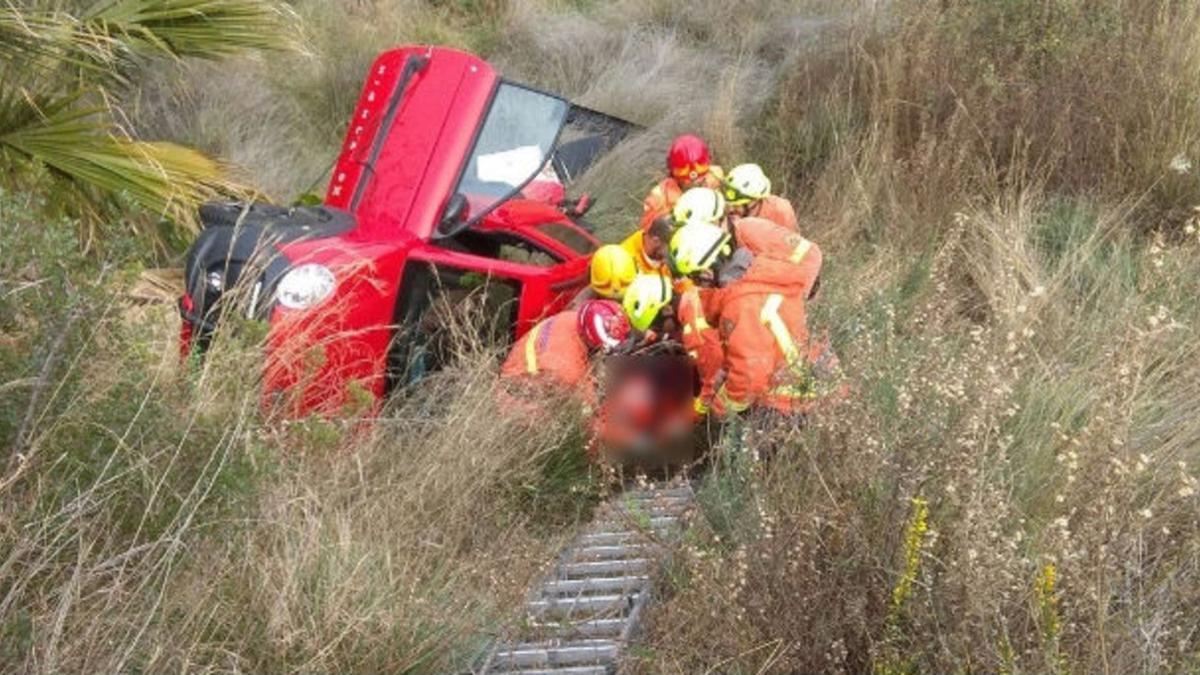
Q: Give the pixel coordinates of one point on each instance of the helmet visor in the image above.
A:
(734, 197)
(689, 172)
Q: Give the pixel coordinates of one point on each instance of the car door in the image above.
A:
(484, 290)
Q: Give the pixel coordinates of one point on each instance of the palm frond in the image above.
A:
(57, 63)
(81, 144)
(198, 28)
(37, 43)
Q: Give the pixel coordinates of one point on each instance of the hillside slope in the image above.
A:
(1007, 200)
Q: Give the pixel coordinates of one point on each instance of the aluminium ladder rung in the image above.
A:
(565, 670)
(610, 628)
(611, 538)
(594, 585)
(625, 519)
(580, 652)
(617, 552)
(578, 606)
(684, 492)
(605, 568)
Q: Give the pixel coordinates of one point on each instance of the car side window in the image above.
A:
(573, 237)
(504, 246)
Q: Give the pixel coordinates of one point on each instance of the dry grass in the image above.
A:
(1010, 288)
(1060, 434)
(155, 522)
(1011, 285)
(306, 546)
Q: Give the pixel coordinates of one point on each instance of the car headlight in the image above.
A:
(216, 280)
(305, 286)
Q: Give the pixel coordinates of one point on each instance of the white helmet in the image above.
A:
(746, 183)
(699, 205)
(696, 246)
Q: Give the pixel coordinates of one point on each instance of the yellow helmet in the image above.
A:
(699, 204)
(746, 183)
(613, 269)
(645, 298)
(696, 246)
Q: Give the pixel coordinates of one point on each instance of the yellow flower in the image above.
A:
(914, 539)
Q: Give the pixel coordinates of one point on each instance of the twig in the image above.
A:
(20, 442)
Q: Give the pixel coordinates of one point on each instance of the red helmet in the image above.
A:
(603, 324)
(687, 158)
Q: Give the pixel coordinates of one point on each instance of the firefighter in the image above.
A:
(747, 237)
(554, 357)
(699, 339)
(747, 192)
(699, 204)
(758, 235)
(688, 165)
(612, 270)
(758, 307)
(765, 238)
(645, 299)
(648, 247)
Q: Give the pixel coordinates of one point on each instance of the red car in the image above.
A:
(450, 183)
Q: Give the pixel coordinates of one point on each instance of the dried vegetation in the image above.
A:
(1006, 195)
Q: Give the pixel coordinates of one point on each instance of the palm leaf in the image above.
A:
(56, 65)
(80, 144)
(35, 44)
(198, 28)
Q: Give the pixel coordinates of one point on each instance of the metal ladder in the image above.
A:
(581, 616)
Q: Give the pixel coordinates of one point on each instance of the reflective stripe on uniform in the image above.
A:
(532, 347)
(696, 326)
(800, 251)
(783, 337)
(729, 403)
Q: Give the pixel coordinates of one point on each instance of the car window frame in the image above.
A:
(475, 219)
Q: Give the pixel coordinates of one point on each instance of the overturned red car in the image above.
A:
(451, 181)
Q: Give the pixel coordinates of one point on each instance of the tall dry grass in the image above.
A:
(1010, 216)
(281, 118)
(154, 520)
(1059, 435)
(1005, 192)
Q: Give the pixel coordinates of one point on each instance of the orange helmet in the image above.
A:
(688, 158)
(603, 324)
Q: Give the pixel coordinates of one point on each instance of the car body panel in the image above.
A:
(421, 151)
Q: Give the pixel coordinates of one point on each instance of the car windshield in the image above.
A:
(513, 146)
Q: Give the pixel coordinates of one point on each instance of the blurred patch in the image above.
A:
(646, 413)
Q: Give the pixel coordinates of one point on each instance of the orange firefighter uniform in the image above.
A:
(662, 198)
(552, 356)
(766, 239)
(763, 328)
(777, 210)
(701, 341)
